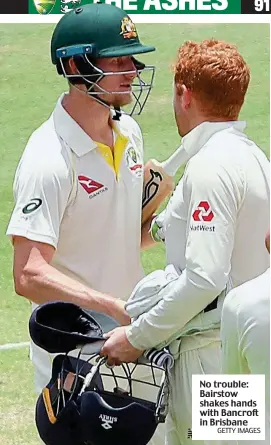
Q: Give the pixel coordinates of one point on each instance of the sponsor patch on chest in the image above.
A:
(92, 187)
(133, 162)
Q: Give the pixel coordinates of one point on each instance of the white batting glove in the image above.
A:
(157, 228)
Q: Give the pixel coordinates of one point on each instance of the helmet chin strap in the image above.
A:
(117, 114)
(117, 111)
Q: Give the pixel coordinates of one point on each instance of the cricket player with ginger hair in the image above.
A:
(213, 227)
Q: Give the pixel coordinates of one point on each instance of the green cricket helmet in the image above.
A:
(100, 30)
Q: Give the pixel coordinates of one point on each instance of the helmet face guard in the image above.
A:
(86, 402)
(90, 75)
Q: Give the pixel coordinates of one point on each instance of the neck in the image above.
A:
(93, 117)
(198, 119)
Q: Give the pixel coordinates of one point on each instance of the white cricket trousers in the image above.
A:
(42, 362)
(202, 360)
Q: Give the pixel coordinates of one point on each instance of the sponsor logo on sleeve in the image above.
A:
(33, 205)
(202, 214)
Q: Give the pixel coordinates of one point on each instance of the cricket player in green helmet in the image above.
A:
(91, 44)
(76, 223)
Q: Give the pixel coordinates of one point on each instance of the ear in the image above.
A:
(186, 97)
(267, 241)
(72, 66)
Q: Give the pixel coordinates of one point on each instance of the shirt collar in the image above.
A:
(194, 140)
(70, 131)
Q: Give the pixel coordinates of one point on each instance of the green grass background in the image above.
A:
(29, 88)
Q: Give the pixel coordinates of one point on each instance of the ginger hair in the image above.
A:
(216, 74)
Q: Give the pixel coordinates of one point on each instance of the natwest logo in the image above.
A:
(203, 212)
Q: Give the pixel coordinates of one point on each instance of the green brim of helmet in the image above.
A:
(129, 50)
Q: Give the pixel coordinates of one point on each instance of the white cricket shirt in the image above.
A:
(245, 328)
(245, 335)
(215, 225)
(72, 194)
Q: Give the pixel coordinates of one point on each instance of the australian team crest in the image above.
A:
(133, 162)
(128, 29)
(44, 6)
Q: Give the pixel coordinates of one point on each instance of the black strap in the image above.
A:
(212, 305)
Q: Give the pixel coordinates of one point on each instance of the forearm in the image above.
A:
(152, 232)
(46, 284)
(181, 300)
(147, 240)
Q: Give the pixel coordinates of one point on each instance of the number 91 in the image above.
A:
(261, 4)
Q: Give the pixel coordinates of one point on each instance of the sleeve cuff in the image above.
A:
(134, 336)
(16, 231)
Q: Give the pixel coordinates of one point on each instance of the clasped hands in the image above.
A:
(117, 347)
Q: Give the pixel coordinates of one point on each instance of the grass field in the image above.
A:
(29, 88)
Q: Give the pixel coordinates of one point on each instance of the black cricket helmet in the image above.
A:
(86, 402)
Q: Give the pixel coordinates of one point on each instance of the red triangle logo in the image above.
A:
(88, 184)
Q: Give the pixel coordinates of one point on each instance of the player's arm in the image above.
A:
(208, 256)
(38, 281)
(152, 232)
(157, 186)
(41, 198)
(146, 238)
(231, 355)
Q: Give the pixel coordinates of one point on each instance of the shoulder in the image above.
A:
(45, 153)
(246, 299)
(130, 127)
(44, 141)
(129, 124)
(233, 150)
(219, 161)
(206, 169)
